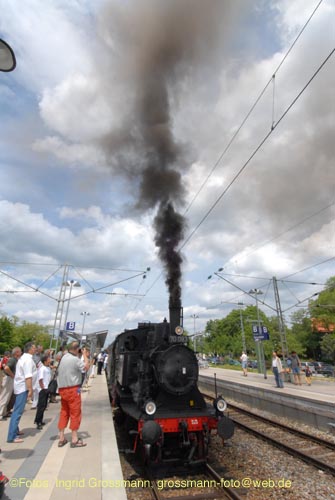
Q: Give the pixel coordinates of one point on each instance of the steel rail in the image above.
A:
(319, 463)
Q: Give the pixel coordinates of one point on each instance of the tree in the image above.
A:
(27, 332)
(328, 347)
(224, 336)
(322, 310)
(6, 334)
(301, 334)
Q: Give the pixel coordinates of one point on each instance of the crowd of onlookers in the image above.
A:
(37, 376)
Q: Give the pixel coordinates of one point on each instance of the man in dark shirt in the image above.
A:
(8, 381)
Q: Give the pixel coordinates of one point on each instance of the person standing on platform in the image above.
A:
(296, 368)
(36, 389)
(244, 362)
(44, 377)
(94, 364)
(100, 360)
(308, 375)
(277, 369)
(105, 361)
(24, 381)
(69, 387)
(8, 382)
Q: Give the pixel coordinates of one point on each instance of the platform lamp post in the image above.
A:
(71, 284)
(194, 316)
(84, 313)
(7, 57)
(259, 343)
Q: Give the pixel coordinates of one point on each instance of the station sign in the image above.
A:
(260, 333)
(70, 326)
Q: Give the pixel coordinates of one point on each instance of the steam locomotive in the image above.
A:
(152, 380)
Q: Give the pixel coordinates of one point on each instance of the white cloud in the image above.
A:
(115, 240)
(77, 109)
(71, 71)
(47, 42)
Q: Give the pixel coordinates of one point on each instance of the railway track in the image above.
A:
(311, 449)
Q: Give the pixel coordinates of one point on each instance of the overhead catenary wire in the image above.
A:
(103, 268)
(281, 280)
(243, 122)
(38, 290)
(260, 144)
(263, 141)
(267, 278)
(308, 268)
(297, 224)
(26, 284)
(246, 163)
(271, 80)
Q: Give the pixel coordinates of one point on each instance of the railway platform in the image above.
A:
(313, 405)
(38, 469)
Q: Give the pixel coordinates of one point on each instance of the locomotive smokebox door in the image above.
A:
(177, 370)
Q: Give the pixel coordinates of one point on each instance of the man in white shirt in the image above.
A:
(100, 362)
(24, 381)
(244, 362)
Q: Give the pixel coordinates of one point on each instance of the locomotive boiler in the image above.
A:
(152, 380)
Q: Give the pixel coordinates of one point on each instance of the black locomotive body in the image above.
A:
(152, 379)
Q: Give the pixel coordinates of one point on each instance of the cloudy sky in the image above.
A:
(116, 107)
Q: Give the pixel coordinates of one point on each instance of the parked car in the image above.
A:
(252, 363)
(214, 360)
(317, 365)
(309, 364)
(327, 370)
(203, 363)
(233, 362)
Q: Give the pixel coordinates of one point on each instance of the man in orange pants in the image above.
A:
(69, 387)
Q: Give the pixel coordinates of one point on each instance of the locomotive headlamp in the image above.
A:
(150, 408)
(220, 404)
(179, 330)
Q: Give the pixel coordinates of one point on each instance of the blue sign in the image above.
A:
(260, 333)
(70, 326)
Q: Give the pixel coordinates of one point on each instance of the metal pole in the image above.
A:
(60, 307)
(82, 329)
(244, 346)
(71, 284)
(68, 305)
(282, 330)
(261, 346)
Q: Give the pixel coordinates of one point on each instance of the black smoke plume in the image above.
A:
(156, 46)
(169, 227)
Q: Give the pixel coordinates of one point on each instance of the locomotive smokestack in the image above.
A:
(176, 318)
